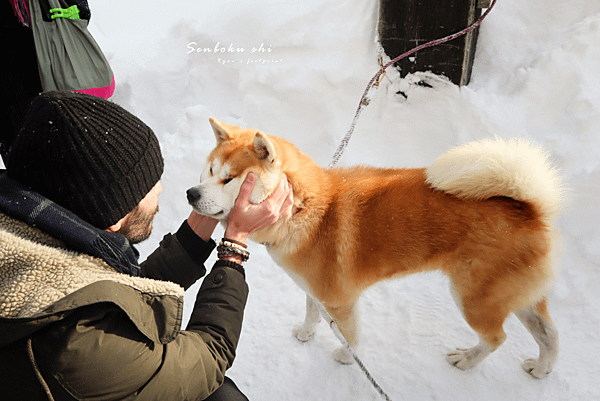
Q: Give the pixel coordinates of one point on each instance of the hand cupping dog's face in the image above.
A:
(238, 152)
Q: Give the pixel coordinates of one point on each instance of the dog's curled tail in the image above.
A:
(496, 167)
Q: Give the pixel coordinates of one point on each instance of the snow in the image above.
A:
(536, 76)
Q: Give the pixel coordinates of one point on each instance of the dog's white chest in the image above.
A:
(280, 260)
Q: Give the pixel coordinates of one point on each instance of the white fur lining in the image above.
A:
(36, 271)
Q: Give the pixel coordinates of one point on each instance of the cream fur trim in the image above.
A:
(36, 270)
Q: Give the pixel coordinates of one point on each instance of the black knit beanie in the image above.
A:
(86, 154)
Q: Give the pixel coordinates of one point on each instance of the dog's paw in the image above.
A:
(463, 358)
(301, 333)
(535, 368)
(343, 356)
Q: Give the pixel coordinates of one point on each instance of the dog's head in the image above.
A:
(238, 152)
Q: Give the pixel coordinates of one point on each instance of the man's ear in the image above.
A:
(223, 131)
(116, 227)
(264, 147)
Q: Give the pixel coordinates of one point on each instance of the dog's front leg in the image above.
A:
(305, 331)
(346, 320)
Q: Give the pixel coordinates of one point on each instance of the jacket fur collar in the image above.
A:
(36, 271)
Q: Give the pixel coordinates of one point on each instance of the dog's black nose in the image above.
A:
(193, 195)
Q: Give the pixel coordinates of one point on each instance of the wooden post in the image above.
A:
(405, 24)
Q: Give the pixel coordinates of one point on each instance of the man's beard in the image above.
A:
(137, 227)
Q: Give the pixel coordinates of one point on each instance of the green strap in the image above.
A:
(71, 12)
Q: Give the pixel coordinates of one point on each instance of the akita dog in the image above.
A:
(482, 214)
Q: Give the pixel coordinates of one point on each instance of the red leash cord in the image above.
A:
(374, 82)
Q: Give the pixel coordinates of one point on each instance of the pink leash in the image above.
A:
(375, 81)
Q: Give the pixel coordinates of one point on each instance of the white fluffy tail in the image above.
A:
(487, 168)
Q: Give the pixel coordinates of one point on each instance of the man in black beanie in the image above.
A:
(79, 317)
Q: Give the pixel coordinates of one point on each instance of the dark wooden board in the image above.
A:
(405, 24)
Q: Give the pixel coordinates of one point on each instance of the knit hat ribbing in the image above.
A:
(87, 154)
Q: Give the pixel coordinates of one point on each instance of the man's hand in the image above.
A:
(246, 218)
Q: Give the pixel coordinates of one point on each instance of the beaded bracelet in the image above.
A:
(227, 248)
(234, 242)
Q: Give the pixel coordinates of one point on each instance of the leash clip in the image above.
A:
(381, 73)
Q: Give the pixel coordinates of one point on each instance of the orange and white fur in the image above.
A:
(481, 214)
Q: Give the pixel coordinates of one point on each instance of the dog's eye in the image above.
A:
(211, 173)
(227, 181)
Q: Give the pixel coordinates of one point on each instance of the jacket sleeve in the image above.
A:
(100, 355)
(213, 332)
(179, 258)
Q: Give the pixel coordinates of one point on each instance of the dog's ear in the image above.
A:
(223, 131)
(264, 147)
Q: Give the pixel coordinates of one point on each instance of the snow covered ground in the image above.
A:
(297, 70)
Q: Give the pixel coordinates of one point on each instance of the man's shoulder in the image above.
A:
(41, 281)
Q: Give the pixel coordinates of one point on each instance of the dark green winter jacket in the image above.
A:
(71, 326)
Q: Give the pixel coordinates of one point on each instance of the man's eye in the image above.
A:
(227, 181)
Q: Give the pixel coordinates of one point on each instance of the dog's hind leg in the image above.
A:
(487, 321)
(305, 331)
(466, 358)
(537, 320)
